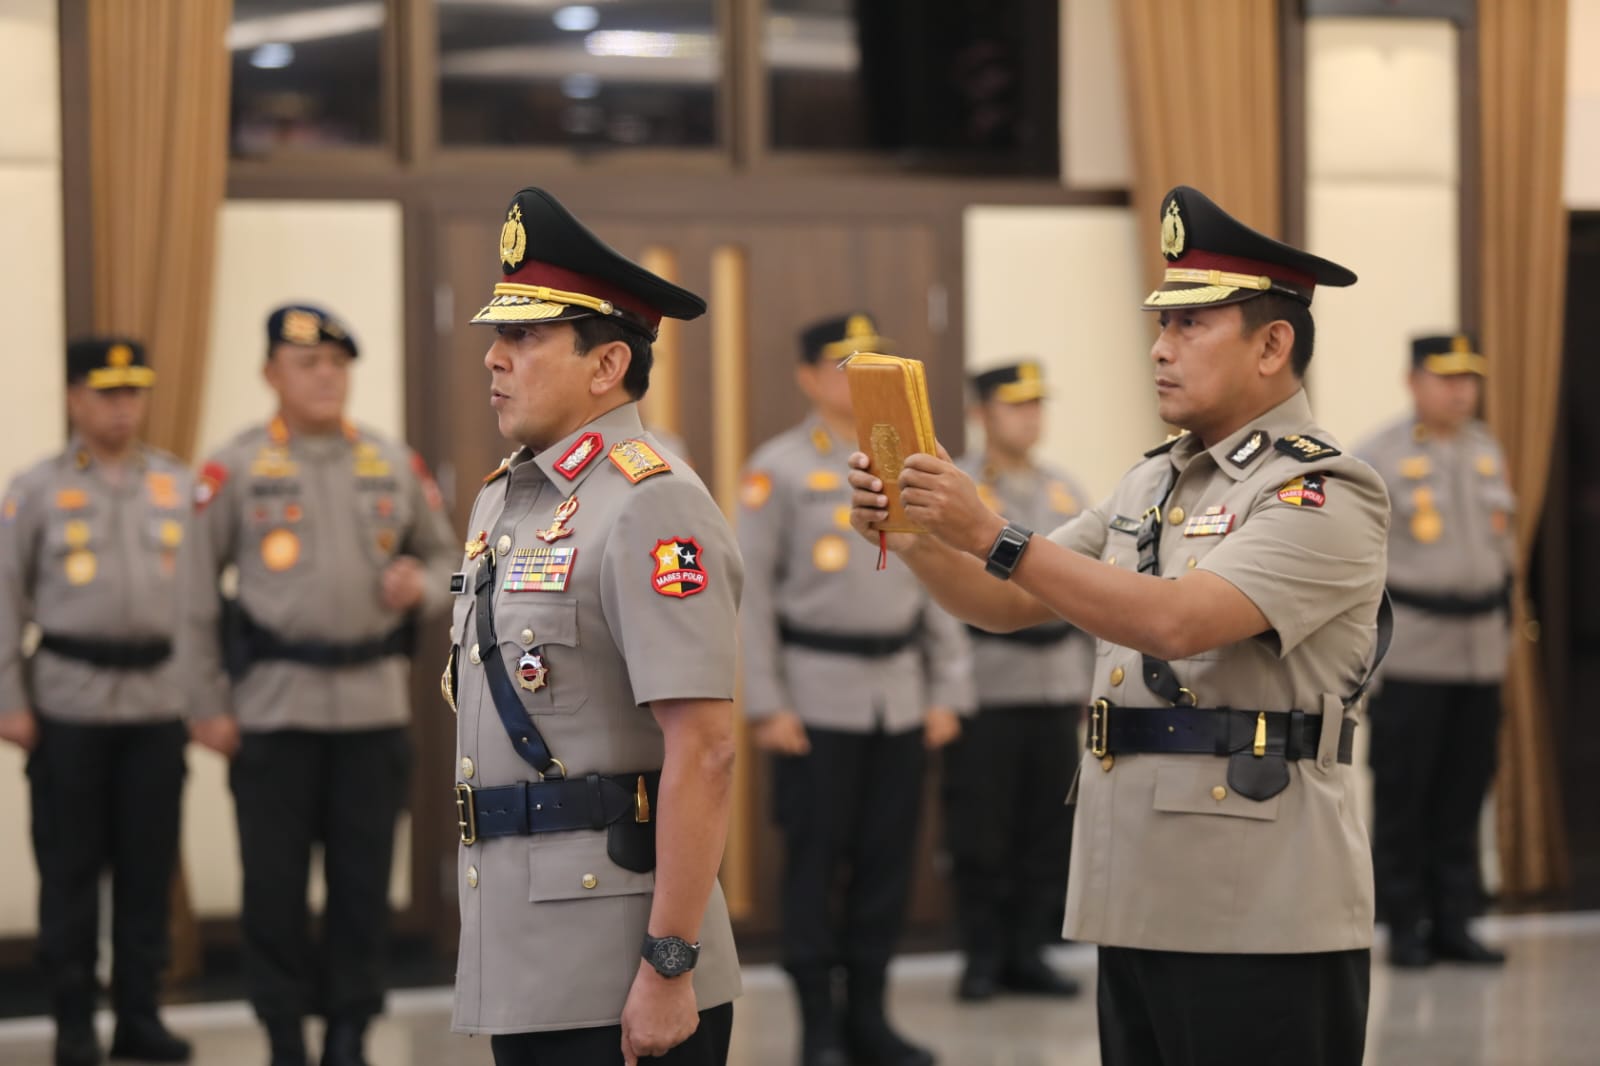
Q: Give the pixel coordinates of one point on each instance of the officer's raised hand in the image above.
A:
(936, 495)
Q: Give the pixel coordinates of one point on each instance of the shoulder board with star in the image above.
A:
(637, 460)
(1166, 445)
(1305, 448)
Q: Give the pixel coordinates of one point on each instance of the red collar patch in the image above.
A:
(585, 450)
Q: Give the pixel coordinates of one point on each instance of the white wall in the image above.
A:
(1583, 106)
(1063, 284)
(344, 256)
(1381, 198)
(32, 420)
(1096, 140)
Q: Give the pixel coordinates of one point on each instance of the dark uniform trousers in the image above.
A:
(1007, 826)
(708, 1046)
(1433, 757)
(106, 795)
(853, 801)
(1171, 1008)
(293, 788)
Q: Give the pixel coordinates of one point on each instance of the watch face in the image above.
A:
(672, 956)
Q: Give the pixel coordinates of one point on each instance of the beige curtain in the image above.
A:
(1203, 85)
(158, 152)
(1522, 259)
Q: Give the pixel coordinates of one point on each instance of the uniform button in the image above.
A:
(1108, 762)
(1112, 561)
(503, 545)
(472, 877)
(1117, 674)
(590, 881)
(1190, 563)
(1175, 515)
(527, 636)
(467, 769)
(474, 656)
(1219, 793)
(1326, 761)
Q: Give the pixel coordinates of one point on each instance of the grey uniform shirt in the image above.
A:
(808, 568)
(1164, 855)
(311, 523)
(1007, 672)
(636, 602)
(1451, 535)
(85, 556)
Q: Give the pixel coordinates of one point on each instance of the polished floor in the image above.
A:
(1543, 1009)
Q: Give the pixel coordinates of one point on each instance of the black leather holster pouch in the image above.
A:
(632, 844)
(1257, 777)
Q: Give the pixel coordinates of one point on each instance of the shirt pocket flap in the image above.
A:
(577, 867)
(1195, 785)
(529, 622)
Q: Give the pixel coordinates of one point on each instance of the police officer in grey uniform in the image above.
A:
(89, 547)
(1234, 583)
(340, 542)
(1006, 827)
(592, 670)
(1436, 718)
(850, 679)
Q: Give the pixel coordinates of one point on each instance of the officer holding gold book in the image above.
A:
(340, 541)
(90, 543)
(1436, 718)
(592, 666)
(1233, 581)
(850, 680)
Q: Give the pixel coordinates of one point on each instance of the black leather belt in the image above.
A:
(554, 805)
(864, 645)
(1221, 731)
(112, 654)
(260, 644)
(1435, 603)
(1034, 636)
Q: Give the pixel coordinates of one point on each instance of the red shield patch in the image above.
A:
(679, 571)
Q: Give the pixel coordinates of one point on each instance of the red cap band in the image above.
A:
(1199, 259)
(554, 277)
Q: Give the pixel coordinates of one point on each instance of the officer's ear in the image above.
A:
(611, 362)
(1277, 347)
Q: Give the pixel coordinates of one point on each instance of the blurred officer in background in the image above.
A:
(850, 679)
(89, 552)
(1005, 782)
(341, 543)
(1436, 719)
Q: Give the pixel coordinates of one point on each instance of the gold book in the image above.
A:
(890, 398)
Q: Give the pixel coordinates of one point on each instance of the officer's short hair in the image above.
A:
(593, 331)
(1270, 307)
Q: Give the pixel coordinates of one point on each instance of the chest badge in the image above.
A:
(1415, 467)
(280, 550)
(1214, 522)
(1426, 525)
(540, 570)
(1486, 465)
(558, 526)
(81, 566)
(1062, 501)
(532, 673)
(478, 545)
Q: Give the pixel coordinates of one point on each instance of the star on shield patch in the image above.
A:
(679, 572)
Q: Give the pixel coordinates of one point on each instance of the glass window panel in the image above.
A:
(602, 73)
(963, 82)
(307, 74)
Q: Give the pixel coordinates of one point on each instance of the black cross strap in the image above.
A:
(518, 724)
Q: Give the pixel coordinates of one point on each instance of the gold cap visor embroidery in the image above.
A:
(122, 377)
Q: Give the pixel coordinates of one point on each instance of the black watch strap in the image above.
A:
(672, 956)
(1006, 552)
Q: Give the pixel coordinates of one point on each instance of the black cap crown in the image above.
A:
(1448, 353)
(838, 336)
(309, 326)
(555, 269)
(108, 363)
(1215, 259)
(1017, 382)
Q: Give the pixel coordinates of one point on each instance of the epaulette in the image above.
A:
(498, 472)
(1166, 445)
(637, 460)
(1304, 448)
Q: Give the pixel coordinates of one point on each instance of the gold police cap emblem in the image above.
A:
(120, 355)
(301, 327)
(1172, 233)
(513, 238)
(859, 326)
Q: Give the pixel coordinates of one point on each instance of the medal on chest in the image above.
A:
(532, 674)
(558, 526)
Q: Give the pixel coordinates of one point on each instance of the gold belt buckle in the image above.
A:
(466, 814)
(1099, 718)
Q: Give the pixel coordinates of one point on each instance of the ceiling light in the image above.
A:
(274, 55)
(576, 18)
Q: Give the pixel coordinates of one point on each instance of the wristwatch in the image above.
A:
(1007, 550)
(672, 956)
